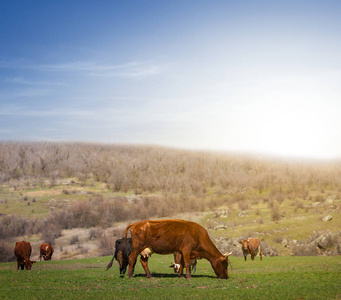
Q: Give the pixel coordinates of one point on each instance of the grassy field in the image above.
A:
(273, 278)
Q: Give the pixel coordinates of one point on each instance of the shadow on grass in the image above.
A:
(167, 275)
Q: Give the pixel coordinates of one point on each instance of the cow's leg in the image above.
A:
(40, 257)
(187, 262)
(245, 257)
(19, 264)
(144, 262)
(132, 262)
(181, 270)
(260, 253)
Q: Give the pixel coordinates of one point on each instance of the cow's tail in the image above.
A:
(125, 238)
(110, 264)
(119, 254)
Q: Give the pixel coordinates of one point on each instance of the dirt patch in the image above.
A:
(43, 193)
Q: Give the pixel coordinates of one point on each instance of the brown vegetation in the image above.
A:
(149, 182)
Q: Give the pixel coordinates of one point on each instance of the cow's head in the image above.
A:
(220, 266)
(245, 244)
(176, 267)
(28, 263)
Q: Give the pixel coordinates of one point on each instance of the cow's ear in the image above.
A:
(240, 242)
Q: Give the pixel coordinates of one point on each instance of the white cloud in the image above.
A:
(89, 68)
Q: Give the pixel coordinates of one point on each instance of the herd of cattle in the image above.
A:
(23, 250)
(188, 241)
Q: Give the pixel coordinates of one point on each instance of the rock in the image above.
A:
(270, 252)
(220, 226)
(327, 218)
(324, 241)
(285, 243)
(329, 200)
(222, 212)
(243, 214)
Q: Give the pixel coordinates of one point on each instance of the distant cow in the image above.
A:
(46, 251)
(171, 236)
(251, 246)
(22, 251)
(123, 256)
(178, 264)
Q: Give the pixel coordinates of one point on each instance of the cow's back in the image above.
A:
(167, 236)
(22, 250)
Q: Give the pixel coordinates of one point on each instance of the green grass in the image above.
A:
(273, 278)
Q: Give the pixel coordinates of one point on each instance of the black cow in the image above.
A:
(123, 259)
(123, 256)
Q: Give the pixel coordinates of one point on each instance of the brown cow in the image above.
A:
(22, 251)
(46, 251)
(170, 236)
(251, 246)
(178, 264)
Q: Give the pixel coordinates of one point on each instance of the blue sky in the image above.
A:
(238, 76)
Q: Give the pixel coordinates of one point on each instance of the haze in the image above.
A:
(238, 76)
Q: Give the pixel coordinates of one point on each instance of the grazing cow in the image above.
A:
(170, 236)
(251, 246)
(178, 264)
(22, 251)
(123, 256)
(46, 251)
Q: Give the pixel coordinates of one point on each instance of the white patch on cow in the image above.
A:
(47, 247)
(177, 268)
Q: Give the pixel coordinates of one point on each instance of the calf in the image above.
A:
(22, 251)
(251, 246)
(122, 257)
(178, 264)
(46, 251)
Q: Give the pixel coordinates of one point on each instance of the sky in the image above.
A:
(255, 77)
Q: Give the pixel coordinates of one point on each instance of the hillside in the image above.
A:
(80, 197)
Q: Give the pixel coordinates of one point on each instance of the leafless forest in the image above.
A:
(145, 169)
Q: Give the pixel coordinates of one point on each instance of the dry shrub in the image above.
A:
(6, 252)
(110, 211)
(277, 239)
(93, 234)
(50, 232)
(12, 226)
(84, 214)
(243, 205)
(275, 212)
(74, 240)
(298, 205)
(106, 244)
